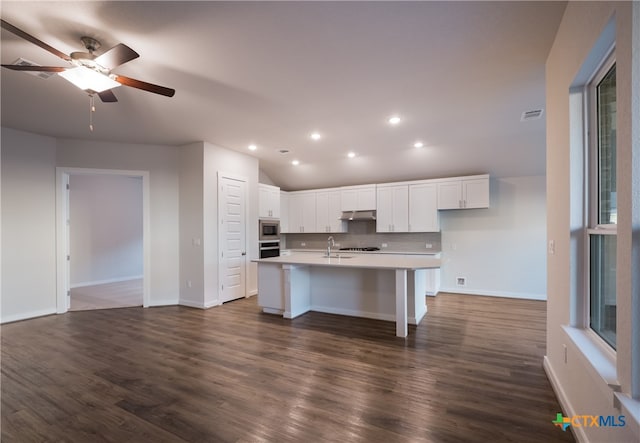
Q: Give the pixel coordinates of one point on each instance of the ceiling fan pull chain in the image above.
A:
(92, 109)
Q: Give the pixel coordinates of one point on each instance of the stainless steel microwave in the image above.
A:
(269, 230)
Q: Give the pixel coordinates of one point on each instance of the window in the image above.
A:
(602, 204)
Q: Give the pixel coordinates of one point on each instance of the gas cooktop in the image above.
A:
(370, 248)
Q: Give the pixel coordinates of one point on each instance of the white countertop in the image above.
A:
(381, 251)
(346, 259)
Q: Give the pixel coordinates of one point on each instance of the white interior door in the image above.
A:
(232, 195)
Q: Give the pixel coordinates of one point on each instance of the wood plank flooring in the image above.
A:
(121, 294)
(471, 372)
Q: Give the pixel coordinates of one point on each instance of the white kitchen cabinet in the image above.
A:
(423, 208)
(268, 201)
(392, 208)
(358, 198)
(302, 212)
(284, 212)
(328, 211)
(464, 192)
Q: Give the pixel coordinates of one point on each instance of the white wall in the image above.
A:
(501, 250)
(28, 225)
(162, 162)
(105, 229)
(579, 386)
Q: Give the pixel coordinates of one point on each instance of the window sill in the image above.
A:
(600, 360)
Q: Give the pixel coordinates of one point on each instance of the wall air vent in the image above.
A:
(534, 114)
(42, 75)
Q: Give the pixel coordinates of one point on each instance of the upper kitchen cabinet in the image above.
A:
(392, 208)
(329, 210)
(284, 212)
(464, 192)
(302, 212)
(358, 198)
(423, 207)
(268, 201)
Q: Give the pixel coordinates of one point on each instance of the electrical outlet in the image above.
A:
(428, 245)
(196, 241)
(303, 244)
(383, 245)
(461, 281)
(189, 283)
(552, 247)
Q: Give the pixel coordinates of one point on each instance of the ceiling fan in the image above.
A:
(89, 71)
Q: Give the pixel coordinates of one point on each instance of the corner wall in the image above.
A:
(500, 251)
(580, 388)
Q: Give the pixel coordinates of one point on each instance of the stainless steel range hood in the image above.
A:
(358, 215)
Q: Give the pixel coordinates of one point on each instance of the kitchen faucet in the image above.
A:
(330, 243)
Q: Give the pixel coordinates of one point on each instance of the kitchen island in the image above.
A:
(379, 286)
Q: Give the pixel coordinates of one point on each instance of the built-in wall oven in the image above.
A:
(269, 236)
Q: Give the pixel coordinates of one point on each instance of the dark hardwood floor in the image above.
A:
(472, 371)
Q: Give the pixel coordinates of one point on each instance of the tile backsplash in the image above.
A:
(363, 234)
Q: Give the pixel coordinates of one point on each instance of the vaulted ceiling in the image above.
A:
(459, 74)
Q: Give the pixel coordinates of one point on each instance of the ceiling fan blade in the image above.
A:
(107, 96)
(34, 68)
(30, 38)
(116, 56)
(128, 81)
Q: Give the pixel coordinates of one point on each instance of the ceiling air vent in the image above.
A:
(534, 114)
(42, 75)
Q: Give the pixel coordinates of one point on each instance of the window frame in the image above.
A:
(592, 191)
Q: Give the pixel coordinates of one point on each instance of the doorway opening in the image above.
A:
(103, 241)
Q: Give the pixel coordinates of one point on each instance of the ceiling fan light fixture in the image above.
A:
(88, 79)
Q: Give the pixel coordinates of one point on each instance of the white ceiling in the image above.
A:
(270, 73)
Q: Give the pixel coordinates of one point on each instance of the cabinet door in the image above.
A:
(384, 215)
(274, 202)
(308, 215)
(401, 208)
(450, 195)
(366, 199)
(392, 209)
(322, 212)
(476, 193)
(295, 213)
(263, 201)
(423, 208)
(334, 212)
(349, 199)
(284, 212)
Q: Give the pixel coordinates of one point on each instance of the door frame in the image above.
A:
(231, 176)
(63, 283)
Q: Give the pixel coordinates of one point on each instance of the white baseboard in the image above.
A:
(104, 282)
(199, 305)
(567, 409)
(522, 295)
(160, 303)
(28, 315)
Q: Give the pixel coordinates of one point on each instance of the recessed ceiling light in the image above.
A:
(295, 162)
(351, 154)
(316, 136)
(252, 147)
(418, 145)
(394, 120)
